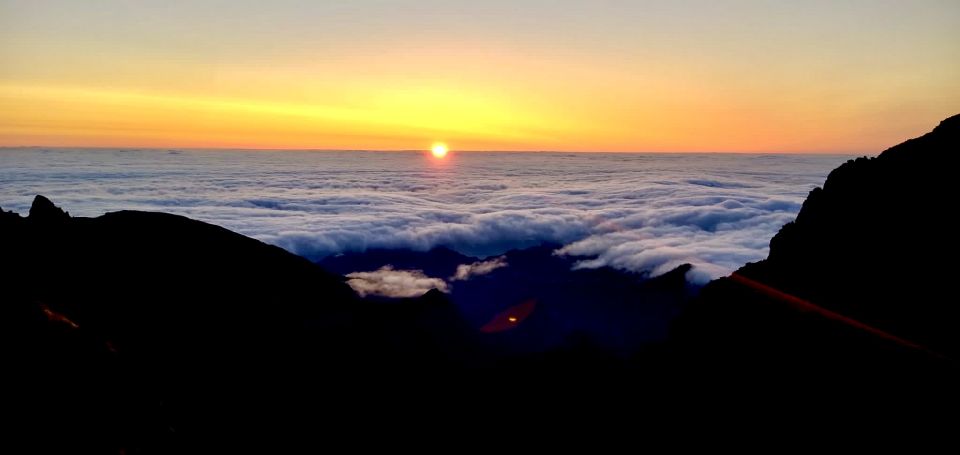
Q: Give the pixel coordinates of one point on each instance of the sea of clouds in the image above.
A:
(641, 212)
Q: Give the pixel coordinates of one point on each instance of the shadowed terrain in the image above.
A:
(170, 328)
(138, 326)
(862, 279)
(138, 330)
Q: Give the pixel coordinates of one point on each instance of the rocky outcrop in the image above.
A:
(43, 211)
(863, 276)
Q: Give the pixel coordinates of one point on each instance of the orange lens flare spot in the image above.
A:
(510, 318)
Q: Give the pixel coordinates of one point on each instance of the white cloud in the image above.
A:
(388, 282)
(467, 271)
(632, 211)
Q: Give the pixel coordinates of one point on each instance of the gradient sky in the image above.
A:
(757, 76)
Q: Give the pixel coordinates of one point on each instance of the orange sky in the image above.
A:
(563, 75)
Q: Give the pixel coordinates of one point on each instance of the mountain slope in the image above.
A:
(862, 277)
(135, 330)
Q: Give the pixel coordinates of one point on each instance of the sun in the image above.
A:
(439, 150)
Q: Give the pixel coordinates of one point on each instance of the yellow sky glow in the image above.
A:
(497, 77)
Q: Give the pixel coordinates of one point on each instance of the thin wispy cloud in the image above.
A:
(468, 271)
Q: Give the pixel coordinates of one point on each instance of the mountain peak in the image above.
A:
(44, 210)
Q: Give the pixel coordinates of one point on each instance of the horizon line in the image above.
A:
(453, 151)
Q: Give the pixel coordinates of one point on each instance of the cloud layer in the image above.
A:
(632, 211)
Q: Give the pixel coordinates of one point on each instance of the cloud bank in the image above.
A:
(631, 211)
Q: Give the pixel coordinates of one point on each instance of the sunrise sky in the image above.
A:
(812, 76)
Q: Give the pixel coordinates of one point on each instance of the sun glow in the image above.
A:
(439, 150)
(335, 76)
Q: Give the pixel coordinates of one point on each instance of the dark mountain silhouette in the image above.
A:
(141, 332)
(137, 329)
(862, 279)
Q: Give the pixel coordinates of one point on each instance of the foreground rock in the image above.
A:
(862, 279)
